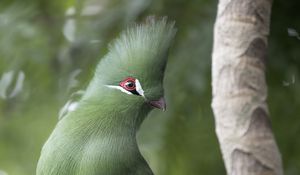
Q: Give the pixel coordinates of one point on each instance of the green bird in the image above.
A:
(98, 137)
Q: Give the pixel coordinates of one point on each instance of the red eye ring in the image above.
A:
(128, 84)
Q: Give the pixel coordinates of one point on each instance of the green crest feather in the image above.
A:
(141, 48)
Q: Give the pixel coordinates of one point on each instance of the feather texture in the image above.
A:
(99, 136)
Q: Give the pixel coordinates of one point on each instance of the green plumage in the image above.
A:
(99, 136)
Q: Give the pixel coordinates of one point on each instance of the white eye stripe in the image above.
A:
(119, 88)
(139, 88)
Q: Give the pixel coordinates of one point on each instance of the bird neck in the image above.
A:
(108, 115)
(112, 112)
(118, 120)
(106, 136)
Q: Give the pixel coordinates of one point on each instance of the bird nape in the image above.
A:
(99, 136)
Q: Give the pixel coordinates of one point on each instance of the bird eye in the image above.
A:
(128, 84)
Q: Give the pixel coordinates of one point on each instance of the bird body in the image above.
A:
(99, 136)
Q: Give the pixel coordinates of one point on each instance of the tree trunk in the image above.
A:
(239, 88)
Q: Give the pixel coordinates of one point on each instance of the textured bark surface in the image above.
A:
(239, 88)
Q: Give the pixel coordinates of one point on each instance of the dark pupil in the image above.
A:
(130, 84)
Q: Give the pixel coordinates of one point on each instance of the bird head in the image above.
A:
(132, 72)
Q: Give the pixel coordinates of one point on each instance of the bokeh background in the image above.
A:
(49, 49)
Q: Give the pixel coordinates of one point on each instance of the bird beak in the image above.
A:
(160, 103)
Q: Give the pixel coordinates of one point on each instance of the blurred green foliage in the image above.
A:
(56, 45)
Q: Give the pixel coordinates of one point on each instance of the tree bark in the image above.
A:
(239, 88)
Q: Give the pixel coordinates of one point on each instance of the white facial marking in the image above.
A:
(119, 88)
(139, 88)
